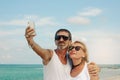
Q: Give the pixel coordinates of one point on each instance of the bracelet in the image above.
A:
(27, 36)
(30, 45)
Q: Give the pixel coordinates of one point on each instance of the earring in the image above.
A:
(83, 56)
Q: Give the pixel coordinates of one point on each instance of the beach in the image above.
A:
(110, 72)
(112, 78)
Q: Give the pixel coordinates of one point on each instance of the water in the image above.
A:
(108, 71)
(21, 72)
(35, 71)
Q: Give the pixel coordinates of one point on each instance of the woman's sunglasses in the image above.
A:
(58, 37)
(77, 48)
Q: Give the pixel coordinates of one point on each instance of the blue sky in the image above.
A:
(95, 22)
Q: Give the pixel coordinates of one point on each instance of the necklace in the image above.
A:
(76, 65)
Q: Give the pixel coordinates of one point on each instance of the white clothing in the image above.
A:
(84, 74)
(55, 70)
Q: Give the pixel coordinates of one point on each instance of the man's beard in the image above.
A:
(62, 45)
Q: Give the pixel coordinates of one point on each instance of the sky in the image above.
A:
(94, 22)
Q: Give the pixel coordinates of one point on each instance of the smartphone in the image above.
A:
(31, 24)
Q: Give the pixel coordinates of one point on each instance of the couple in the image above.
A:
(57, 65)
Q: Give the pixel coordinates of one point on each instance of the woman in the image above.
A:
(79, 57)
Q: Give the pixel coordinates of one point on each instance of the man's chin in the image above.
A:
(62, 47)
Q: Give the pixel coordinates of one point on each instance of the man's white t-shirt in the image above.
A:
(55, 70)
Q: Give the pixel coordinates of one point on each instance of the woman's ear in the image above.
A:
(83, 56)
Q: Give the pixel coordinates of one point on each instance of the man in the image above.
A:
(56, 64)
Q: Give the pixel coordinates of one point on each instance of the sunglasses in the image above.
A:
(58, 37)
(77, 48)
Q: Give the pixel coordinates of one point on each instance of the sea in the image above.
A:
(35, 71)
(21, 72)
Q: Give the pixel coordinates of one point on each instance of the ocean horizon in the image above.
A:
(35, 71)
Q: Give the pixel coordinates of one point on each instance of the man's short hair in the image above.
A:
(65, 30)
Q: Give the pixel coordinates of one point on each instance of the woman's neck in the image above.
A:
(77, 69)
(76, 62)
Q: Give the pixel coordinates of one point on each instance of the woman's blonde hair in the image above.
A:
(84, 49)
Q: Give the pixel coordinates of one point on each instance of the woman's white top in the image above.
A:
(55, 70)
(83, 75)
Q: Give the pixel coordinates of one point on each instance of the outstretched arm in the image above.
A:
(45, 54)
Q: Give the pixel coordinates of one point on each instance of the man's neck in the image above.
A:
(62, 55)
(61, 52)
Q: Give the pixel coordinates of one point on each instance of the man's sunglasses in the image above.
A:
(77, 48)
(58, 37)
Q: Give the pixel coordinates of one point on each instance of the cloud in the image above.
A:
(82, 17)
(103, 47)
(46, 21)
(41, 21)
(90, 12)
(14, 32)
(23, 22)
(31, 17)
(13, 22)
(104, 50)
(6, 57)
(78, 20)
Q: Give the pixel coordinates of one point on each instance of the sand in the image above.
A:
(112, 78)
